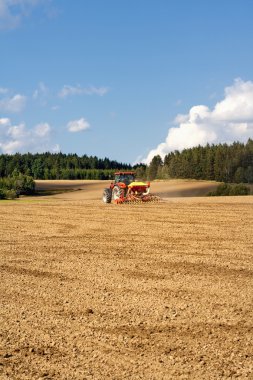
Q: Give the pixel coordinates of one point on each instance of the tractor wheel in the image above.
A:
(117, 193)
(107, 196)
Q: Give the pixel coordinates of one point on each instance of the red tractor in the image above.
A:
(125, 189)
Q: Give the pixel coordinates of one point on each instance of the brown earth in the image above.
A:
(153, 291)
(94, 188)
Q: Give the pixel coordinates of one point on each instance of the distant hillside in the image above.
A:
(58, 166)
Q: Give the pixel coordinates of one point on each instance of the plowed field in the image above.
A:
(153, 291)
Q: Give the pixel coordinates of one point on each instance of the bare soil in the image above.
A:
(94, 188)
(154, 291)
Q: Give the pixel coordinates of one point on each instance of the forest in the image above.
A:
(58, 166)
(223, 163)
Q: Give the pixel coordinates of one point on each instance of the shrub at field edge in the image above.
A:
(227, 189)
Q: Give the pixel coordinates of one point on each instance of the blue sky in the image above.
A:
(124, 79)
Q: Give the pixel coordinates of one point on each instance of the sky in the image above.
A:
(124, 79)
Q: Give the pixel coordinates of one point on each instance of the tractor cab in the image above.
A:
(124, 177)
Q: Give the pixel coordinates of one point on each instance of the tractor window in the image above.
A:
(126, 178)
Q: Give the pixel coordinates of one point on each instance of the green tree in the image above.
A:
(141, 172)
(239, 175)
(154, 166)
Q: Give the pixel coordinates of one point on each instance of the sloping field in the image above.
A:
(93, 189)
(153, 291)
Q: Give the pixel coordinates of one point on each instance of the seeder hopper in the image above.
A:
(125, 189)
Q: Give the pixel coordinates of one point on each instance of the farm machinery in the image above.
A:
(125, 189)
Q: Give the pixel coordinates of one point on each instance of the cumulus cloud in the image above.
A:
(78, 90)
(230, 120)
(13, 11)
(4, 121)
(20, 138)
(13, 104)
(78, 125)
(42, 129)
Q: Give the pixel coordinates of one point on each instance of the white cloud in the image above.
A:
(14, 104)
(78, 90)
(42, 129)
(13, 11)
(4, 121)
(19, 138)
(238, 103)
(230, 120)
(78, 125)
(17, 132)
(11, 147)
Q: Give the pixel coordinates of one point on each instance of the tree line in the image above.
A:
(59, 166)
(18, 184)
(223, 163)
